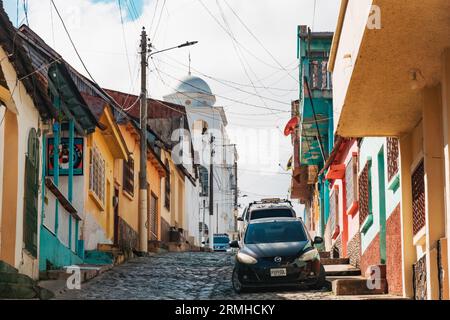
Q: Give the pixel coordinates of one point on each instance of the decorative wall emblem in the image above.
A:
(64, 157)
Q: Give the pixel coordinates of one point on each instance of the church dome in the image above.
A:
(192, 84)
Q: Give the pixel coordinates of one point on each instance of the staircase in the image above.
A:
(14, 285)
(107, 254)
(346, 279)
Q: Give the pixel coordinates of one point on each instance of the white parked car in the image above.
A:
(260, 210)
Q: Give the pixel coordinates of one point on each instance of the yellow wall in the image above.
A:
(154, 179)
(174, 216)
(102, 212)
(129, 204)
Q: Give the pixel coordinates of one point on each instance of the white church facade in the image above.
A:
(207, 124)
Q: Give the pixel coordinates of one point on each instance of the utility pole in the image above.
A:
(211, 178)
(143, 188)
(211, 190)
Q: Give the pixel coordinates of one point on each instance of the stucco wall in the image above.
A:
(351, 36)
(394, 252)
(99, 226)
(27, 118)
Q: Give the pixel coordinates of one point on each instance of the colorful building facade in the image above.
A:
(406, 97)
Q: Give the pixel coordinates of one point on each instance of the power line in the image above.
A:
(226, 82)
(226, 98)
(71, 41)
(159, 20)
(260, 43)
(240, 44)
(25, 9)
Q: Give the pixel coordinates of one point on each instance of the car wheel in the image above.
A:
(321, 280)
(237, 285)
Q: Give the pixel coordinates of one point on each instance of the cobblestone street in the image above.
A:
(179, 276)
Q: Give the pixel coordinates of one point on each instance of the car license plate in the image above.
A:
(279, 272)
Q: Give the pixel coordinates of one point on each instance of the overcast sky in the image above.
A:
(246, 53)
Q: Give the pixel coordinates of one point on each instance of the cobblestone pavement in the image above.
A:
(189, 275)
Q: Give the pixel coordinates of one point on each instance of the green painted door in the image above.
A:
(31, 194)
(382, 203)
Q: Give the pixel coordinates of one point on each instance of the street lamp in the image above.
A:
(143, 189)
(186, 44)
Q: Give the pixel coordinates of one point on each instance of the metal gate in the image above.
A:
(31, 194)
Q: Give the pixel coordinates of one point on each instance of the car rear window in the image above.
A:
(271, 213)
(221, 240)
(276, 231)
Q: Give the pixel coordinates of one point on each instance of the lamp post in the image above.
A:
(143, 188)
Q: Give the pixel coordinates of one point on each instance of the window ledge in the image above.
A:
(394, 183)
(96, 200)
(336, 232)
(128, 195)
(353, 209)
(367, 224)
(420, 238)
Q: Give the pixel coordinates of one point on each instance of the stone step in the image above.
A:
(4, 267)
(110, 248)
(96, 257)
(21, 291)
(16, 278)
(324, 254)
(357, 287)
(87, 272)
(331, 261)
(341, 270)
(17, 291)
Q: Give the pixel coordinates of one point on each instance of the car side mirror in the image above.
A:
(318, 240)
(240, 219)
(234, 244)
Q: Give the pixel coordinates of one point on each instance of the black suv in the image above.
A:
(277, 252)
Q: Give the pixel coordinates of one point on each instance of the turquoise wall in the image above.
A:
(370, 148)
(53, 250)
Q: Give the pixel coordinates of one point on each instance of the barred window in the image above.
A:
(418, 198)
(167, 187)
(365, 193)
(351, 181)
(153, 217)
(97, 174)
(128, 176)
(392, 157)
(334, 212)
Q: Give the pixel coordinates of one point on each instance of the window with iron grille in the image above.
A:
(351, 182)
(167, 187)
(97, 174)
(418, 198)
(128, 176)
(334, 212)
(153, 217)
(320, 78)
(365, 193)
(392, 157)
